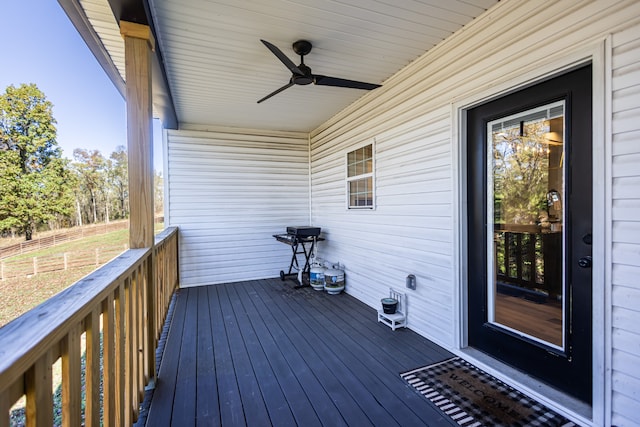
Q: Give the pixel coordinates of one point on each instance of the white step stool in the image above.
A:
(399, 318)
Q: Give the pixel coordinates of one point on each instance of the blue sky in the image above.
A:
(40, 45)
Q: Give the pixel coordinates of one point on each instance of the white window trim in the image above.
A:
(372, 174)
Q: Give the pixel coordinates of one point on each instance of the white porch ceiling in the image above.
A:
(217, 68)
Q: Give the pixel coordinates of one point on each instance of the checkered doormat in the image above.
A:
(473, 398)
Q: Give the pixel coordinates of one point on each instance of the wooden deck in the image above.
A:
(262, 353)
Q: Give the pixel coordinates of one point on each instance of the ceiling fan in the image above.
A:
(302, 74)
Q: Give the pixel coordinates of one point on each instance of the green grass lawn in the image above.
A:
(119, 237)
(18, 295)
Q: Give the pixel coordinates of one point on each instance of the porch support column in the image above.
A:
(138, 47)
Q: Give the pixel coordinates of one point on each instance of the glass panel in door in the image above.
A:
(526, 201)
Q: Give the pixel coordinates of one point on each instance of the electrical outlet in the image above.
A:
(411, 282)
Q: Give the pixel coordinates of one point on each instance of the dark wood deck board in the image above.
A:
(289, 323)
(410, 344)
(262, 353)
(162, 408)
(340, 384)
(184, 402)
(255, 410)
(337, 347)
(207, 409)
(376, 343)
(272, 394)
(373, 370)
(281, 383)
(230, 403)
(323, 406)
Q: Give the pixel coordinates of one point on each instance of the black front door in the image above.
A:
(529, 189)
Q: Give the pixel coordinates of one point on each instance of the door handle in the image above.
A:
(585, 262)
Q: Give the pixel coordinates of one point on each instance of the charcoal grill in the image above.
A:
(302, 241)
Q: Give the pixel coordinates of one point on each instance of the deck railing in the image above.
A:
(119, 310)
(529, 260)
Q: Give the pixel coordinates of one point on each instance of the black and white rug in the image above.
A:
(473, 398)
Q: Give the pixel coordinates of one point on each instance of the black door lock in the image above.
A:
(585, 262)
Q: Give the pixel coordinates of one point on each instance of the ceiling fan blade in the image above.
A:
(283, 58)
(334, 81)
(277, 91)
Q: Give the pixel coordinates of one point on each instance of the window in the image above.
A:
(360, 178)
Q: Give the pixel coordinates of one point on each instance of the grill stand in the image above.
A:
(298, 247)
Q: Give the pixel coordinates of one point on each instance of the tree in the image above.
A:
(90, 167)
(119, 179)
(520, 173)
(34, 184)
(158, 192)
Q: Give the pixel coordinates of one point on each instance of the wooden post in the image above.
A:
(71, 383)
(5, 406)
(38, 386)
(92, 369)
(109, 366)
(120, 346)
(139, 44)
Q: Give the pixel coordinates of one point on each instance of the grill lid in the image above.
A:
(304, 231)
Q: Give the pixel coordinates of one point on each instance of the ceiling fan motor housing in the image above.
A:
(305, 79)
(302, 47)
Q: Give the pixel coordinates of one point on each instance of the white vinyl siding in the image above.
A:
(413, 229)
(410, 232)
(625, 253)
(251, 186)
(248, 187)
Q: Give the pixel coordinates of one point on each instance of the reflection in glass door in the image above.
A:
(526, 201)
(529, 243)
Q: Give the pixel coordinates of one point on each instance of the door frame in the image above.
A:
(599, 54)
